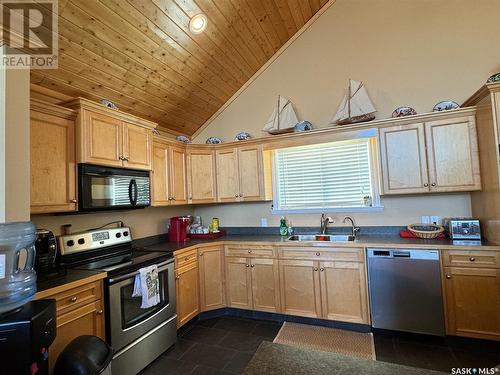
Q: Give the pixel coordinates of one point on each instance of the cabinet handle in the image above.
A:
(253, 265)
(426, 185)
(249, 251)
(186, 258)
(125, 158)
(73, 200)
(315, 268)
(201, 254)
(318, 254)
(236, 195)
(472, 259)
(241, 195)
(120, 157)
(190, 198)
(448, 276)
(73, 299)
(99, 312)
(433, 184)
(321, 269)
(247, 265)
(177, 277)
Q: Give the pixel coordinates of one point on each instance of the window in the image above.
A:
(338, 176)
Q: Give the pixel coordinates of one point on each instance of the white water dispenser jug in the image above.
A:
(17, 257)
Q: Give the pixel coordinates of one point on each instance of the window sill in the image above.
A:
(327, 210)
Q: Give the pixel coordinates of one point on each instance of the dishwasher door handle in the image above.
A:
(401, 254)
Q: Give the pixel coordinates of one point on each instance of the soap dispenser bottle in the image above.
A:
(283, 227)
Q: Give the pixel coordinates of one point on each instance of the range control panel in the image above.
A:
(96, 239)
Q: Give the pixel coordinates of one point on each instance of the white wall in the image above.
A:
(407, 52)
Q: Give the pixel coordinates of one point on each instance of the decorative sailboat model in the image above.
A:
(283, 119)
(355, 107)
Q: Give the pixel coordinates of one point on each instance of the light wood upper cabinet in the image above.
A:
(472, 302)
(228, 188)
(187, 293)
(101, 139)
(251, 174)
(168, 177)
(452, 154)
(435, 156)
(136, 146)
(212, 280)
(201, 175)
(52, 158)
(343, 291)
(111, 137)
(300, 288)
(240, 174)
(403, 159)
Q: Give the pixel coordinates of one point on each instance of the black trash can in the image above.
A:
(85, 355)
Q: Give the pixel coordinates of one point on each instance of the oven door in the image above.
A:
(125, 318)
(104, 188)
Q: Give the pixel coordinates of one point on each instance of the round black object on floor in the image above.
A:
(85, 355)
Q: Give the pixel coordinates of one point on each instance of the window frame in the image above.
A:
(373, 153)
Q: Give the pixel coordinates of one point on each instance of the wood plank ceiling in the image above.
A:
(141, 55)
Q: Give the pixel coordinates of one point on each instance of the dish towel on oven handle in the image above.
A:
(147, 286)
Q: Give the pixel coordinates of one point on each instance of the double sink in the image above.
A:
(321, 237)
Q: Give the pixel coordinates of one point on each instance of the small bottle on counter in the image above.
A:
(290, 229)
(283, 227)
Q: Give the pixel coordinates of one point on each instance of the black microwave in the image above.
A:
(106, 188)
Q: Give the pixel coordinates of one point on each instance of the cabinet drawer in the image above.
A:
(471, 258)
(186, 258)
(250, 251)
(322, 253)
(72, 299)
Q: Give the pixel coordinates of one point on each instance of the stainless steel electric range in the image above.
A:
(137, 335)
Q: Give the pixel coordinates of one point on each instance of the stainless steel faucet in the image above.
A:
(325, 220)
(354, 228)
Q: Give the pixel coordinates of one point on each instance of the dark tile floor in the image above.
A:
(225, 345)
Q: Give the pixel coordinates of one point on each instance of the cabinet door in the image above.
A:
(86, 320)
(201, 176)
(453, 155)
(472, 302)
(52, 168)
(300, 288)
(160, 186)
(251, 176)
(403, 159)
(212, 291)
(238, 283)
(136, 146)
(187, 293)
(343, 291)
(227, 175)
(265, 284)
(102, 139)
(178, 179)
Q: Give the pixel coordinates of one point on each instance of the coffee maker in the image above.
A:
(177, 231)
(46, 251)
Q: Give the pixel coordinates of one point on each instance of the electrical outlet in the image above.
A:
(435, 220)
(263, 222)
(425, 220)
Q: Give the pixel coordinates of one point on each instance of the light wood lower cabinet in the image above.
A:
(212, 281)
(187, 293)
(472, 302)
(344, 294)
(79, 311)
(253, 284)
(300, 288)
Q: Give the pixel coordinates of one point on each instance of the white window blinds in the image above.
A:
(331, 175)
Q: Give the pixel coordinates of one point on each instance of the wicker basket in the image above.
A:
(426, 231)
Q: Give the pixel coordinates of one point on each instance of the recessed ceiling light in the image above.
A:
(198, 23)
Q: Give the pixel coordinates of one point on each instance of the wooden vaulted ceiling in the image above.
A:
(141, 55)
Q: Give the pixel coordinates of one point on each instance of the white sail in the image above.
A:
(356, 103)
(283, 116)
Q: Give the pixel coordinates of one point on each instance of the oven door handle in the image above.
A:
(161, 267)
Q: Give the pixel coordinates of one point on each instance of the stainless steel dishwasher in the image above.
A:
(405, 290)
